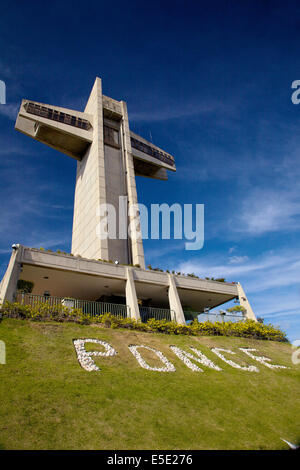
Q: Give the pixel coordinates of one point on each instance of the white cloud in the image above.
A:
(271, 282)
(37, 242)
(270, 270)
(155, 254)
(172, 112)
(264, 211)
(284, 312)
(6, 71)
(11, 149)
(9, 110)
(237, 259)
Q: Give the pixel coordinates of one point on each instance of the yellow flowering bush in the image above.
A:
(44, 311)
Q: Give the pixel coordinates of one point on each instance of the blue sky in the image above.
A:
(211, 82)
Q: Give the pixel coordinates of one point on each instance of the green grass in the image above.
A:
(47, 401)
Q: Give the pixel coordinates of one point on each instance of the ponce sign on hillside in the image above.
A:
(85, 358)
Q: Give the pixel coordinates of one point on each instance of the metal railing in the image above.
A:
(214, 317)
(157, 313)
(55, 115)
(234, 318)
(87, 306)
(152, 151)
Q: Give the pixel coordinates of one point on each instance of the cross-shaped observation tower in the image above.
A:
(109, 156)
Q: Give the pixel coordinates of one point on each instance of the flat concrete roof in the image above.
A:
(69, 276)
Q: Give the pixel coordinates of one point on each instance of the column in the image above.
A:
(8, 286)
(244, 302)
(131, 298)
(174, 301)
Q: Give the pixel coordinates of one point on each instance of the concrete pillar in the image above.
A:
(8, 286)
(174, 302)
(136, 241)
(244, 302)
(131, 298)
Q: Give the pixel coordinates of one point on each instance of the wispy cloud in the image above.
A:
(270, 270)
(4, 251)
(5, 70)
(37, 242)
(267, 210)
(173, 112)
(155, 254)
(271, 281)
(9, 110)
(7, 149)
(282, 312)
(237, 259)
(16, 213)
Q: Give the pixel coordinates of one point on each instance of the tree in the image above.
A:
(236, 309)
(25, 286)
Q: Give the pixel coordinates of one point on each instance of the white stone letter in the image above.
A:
(202, 359)
(85, 358)
(168, 365)
(231, 363)
(263, 360)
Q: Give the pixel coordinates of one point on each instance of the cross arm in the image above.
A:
(66, 130)
(150, 160)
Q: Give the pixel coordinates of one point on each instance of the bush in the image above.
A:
(43, 311)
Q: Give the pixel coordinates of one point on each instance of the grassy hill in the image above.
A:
(48, 401)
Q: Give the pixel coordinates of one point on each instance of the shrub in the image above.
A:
(44, 311)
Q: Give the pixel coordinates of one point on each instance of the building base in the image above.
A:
(62, 275)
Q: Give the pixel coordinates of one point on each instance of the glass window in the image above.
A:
(111, 136)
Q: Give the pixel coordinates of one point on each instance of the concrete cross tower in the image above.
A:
(109, 156)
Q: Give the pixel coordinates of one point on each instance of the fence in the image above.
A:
(157, 313)
(87, 306)
(214, 317)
